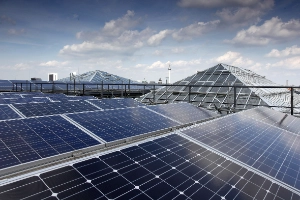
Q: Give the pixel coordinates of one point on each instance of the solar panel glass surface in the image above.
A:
(116, 103)
(53, 108)
(183, 112)
(271, 150)
(7, 113)
(171, 167)
(26, 140)
(118, 124)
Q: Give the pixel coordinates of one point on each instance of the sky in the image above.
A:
(140, 39)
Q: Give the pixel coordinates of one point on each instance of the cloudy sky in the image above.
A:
(139, 39)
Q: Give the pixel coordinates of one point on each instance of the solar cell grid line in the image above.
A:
(183, 112)
(32, 139)
(170, 167)
(269, 149)
(7, 113)
(113, 125)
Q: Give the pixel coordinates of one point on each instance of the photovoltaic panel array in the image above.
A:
(7, 113)
(170, 167)
(116, 103)
(183, 112)
(53, 108)
(272, 117)
(26, 140)
(118, 124)
(271, 150)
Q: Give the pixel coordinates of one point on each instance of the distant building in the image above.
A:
(152, 82)
(52, 76)
(159, 81)
(36, 79)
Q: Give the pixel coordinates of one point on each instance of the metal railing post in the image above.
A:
(30, 87)
(153, 93)
(234, 96)
(82, 89)
(41, 87)
(189, 94)
(292, 100)
(21, 87)
(102, 91)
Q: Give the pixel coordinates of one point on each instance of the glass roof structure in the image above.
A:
(98, 76)
(223, 97)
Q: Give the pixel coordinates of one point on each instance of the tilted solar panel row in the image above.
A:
(170, 167)
(267, 148)
(54, 108)
(26, 140)
(272, 117)
(7, 112)
(183, 112)
(112, 125)
(42, 137)
(115, 103)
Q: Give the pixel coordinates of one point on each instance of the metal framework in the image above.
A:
(244, 90)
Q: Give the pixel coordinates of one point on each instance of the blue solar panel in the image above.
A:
(53, 108)
(183, 112)
(116, 103)
(167, 168)
(26, 140)
(113, 125)
(272, 117)
(267, 148)
(7, 113)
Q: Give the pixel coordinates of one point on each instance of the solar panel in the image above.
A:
(183, 112)
(7, 113)
(53, 108)
(272, 150)
(272, 117)
(116, 103)
(170, 167)
(118, 124)
(26, 140)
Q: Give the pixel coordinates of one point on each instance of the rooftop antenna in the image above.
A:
(169, 69)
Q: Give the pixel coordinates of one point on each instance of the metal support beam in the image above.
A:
(234, 96)
(189, 94)
(83, 89)
(292, 100)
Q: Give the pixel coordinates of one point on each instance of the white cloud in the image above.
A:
(157, 53)
(7, 20)
(18, 66)
(195, 30)
(273, 30)
(156, 39)
(53, 63)
(217, 3)
(293, 50)
(115, 27)
(16, 31)
(289, 63)
(114, 38)
(236, 59)
(234, 12)
(177, 65)
(177, 50)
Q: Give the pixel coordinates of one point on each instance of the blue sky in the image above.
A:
(139, 39)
